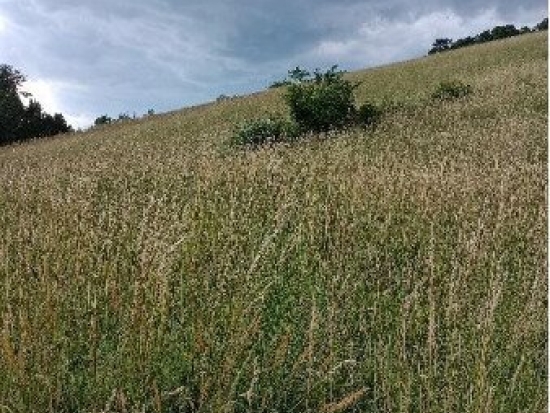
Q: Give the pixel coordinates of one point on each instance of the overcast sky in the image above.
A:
(86, 58)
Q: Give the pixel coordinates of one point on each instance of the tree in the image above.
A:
(543, 25)
(60, 123)
(502, 32)
(440, 45)
(12, 109)
(467, 41)
(33, 121)
(11, 80)
(123, 117)
(524, 30)
(18, 122)
(103, 120)
(54, 125)
(483, 37)
(497, 32)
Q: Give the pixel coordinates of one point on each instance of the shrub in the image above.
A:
(454, 89)
(322, 103)
(268, 130)
(317, 102)
(368, 114)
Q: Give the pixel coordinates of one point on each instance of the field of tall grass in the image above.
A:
(149, 267)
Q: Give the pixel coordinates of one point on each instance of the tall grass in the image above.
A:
(146, 267)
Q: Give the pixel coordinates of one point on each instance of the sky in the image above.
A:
(86, 58)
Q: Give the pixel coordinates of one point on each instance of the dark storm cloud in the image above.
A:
(90, 57)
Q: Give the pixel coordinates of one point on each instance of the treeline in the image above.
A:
(123, 117)
(497, 33)
(19, 122)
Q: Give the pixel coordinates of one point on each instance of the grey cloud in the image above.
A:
(130, 55)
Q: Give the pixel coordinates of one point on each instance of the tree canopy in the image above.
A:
(19, 122)
(496, 33)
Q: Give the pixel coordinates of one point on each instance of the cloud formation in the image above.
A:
(92, 57)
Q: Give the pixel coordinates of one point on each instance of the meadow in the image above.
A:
(150, 267)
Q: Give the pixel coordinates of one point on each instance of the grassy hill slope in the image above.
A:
(148, 267)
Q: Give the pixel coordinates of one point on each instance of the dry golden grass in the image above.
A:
(149, 267)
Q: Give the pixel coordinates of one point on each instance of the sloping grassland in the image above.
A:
(149, 267)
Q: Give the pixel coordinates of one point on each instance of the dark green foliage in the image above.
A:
(123, 117)
(453, 89)
(268, 130)
(496, 33)
(37, 124)
(368, 114)
(502, 32)
(484, 37)
(441, 45)
(18, 122)
(12, 110)
(524, 30)
(320, 103)
(103, 120)
(32, 120)
(12, 113)
(543, 25)
(467, 41)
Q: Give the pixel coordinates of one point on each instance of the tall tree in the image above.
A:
(32, 125)
(12, 110)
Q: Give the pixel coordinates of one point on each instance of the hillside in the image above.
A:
(148, 266)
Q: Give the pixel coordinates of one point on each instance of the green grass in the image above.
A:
(150, 267)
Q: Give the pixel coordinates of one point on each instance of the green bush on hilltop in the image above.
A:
(453, 89)
(322, 102)
(317, 103)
